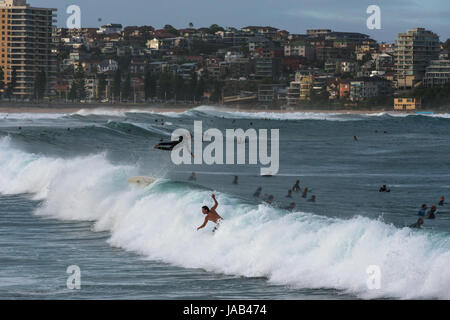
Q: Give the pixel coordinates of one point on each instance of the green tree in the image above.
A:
(216, 94)
(126, 87)
(169, 28)
(2, 82)
(166, 81)
(179, 88)
(80, 83)
(201, 85)
(12, 84)
(40, 85)
(117, 84)
(366, 58)
(149, 86)
(215, 28)
(101, 86)
(193, 85)
(447, 44)
(73, 91)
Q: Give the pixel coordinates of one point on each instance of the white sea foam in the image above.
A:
(289, 115)
(31, 116)
(298, 249)
(120, 112)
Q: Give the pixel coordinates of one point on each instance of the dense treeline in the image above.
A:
(434, 97)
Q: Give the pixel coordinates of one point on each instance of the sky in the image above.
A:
(294, 16)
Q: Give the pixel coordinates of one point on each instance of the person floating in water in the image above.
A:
(270, 199)
(384, 189)
(235, 181)
(355, 138)
(418, 224)
(289, 195)
(422, 212)
(290, 207)
(211, 215)
(313, 199)
(257, 192)
(305, 193)
(442, 201)
(432, 213)
(193, 177)
(296, 187)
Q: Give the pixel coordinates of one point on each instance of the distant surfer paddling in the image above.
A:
(211, 215)
(171, 145)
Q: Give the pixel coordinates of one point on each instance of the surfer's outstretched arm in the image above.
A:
(204, 224)
(216, 204)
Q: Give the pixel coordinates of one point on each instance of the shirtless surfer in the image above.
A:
(211, 215)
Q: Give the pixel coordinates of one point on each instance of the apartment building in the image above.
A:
(268, 68)
(365, 88)
(437, 73)
(26, 45)
(415, 49)
(306, 87)
(406, 104)
(299, 49)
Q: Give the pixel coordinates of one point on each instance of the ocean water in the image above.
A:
(65, 200)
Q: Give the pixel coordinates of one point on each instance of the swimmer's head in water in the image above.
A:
(205, 210)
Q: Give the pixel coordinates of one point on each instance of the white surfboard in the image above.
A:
(142, 181)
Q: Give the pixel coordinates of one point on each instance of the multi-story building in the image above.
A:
(406, 104)
(306, 87)
(344, 90)
(384, 62)
(365, 88)
(293, 92)
(266, 31)
(415, 49)
(318, 32)
(110, 28)
(268, 68)
(268, 92)
(26, 46)
(437, 73)
(239, 67)
(299, 49)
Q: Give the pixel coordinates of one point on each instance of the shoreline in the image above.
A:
(17, 108)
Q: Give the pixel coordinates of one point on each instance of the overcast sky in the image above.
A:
(293, 15)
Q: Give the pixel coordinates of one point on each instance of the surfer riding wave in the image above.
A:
(171, 145)
(211, 215)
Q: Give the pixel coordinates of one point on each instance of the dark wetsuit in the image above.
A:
(417, 225)
(168, 146)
